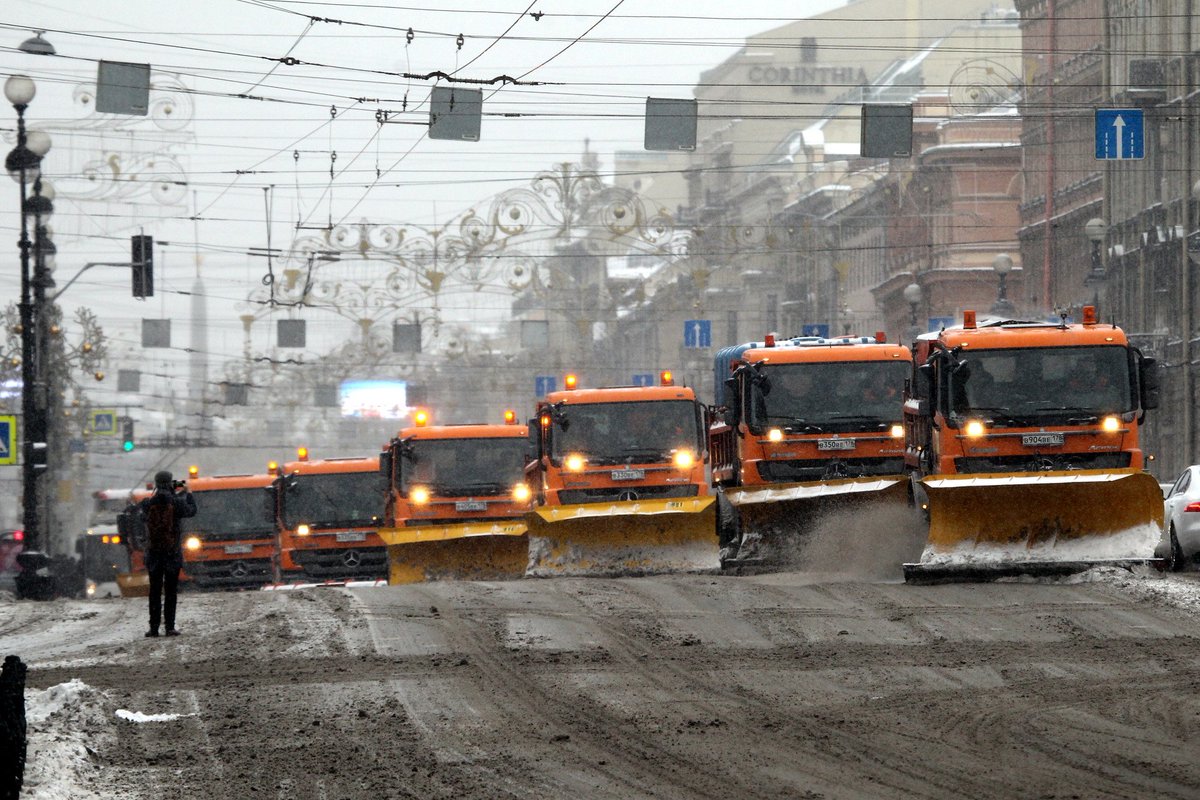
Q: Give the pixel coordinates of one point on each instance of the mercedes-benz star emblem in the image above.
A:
(239, 569)
(351, 558)
(628, 496)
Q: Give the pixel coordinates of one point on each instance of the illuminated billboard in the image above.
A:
(373, 399)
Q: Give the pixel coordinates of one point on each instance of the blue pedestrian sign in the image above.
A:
(815, 329)
(544, 385)
(697, 333)
(104, 422)
(643, 379)
(1120, 134)
(8, 439)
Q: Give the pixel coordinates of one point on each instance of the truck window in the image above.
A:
(333, 499)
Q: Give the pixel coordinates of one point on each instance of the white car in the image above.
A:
(1180, 541)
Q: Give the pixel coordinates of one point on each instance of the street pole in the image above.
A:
(25, 159)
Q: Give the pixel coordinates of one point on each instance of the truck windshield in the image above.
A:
(1042, 382)
(478, 466)
(239, 513)
(636, 431)
(334, 499)
(828, 396)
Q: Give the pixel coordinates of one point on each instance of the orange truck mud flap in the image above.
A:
(464, 551)
(1044, 523)
(624, 538)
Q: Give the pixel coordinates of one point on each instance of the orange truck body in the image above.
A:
(1022, 438)
(232, 541)
(329, 512)
(622, 483)
(456, 502)
(804, 427)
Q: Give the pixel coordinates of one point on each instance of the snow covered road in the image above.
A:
(786, 684)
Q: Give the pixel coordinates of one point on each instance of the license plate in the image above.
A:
(1041, 439)
(351, 536)
(470, 505)
(836, 444)
(628, 474)
(238, 549)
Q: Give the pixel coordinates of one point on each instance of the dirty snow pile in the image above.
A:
(64, 722)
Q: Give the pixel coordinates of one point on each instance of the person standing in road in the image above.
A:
(163, 512)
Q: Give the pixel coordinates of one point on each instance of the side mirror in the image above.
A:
(269, 502)
(385, 463)
(730, 417)
(535, 439)
(1148, 379)
(923, 387)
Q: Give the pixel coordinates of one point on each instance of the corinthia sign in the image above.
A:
(809, 80)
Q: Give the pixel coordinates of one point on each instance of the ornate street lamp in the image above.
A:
(23, 164)
(1002, 264)
(913, 296)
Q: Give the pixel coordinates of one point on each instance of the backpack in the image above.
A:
(160, 524)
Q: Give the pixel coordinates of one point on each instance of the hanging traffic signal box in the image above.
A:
(127, 434)
(143, 266)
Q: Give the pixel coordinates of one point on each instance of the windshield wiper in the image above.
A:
(645, 452)
(482, 487)
(1001, 414)
(797, 425)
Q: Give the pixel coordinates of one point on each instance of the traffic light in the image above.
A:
(127, 434)
(143, 266)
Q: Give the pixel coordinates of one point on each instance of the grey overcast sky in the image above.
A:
(286, 137)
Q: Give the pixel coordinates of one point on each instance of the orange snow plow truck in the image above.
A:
(456, 501)
(804, 428)
(1022, 441)
(622, 482)
(329, 511)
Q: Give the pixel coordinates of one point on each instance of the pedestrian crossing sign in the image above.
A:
(104, 422)
(8, 440)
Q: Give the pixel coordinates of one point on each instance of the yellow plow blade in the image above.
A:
(1044, 523)
(777, 520)
(134, 584)
(481, 551)
(635, 537)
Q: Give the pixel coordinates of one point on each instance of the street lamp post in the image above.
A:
(1095, 229)
(1002, 264)
(23, 163)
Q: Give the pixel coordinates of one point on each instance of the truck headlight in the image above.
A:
(975, 429)
(302, 529)
(521, 493)
(897, 431)
(575, 462)
(192, 543)
(684, 459)
(418, 495)
(1111, 424)
(774, 435)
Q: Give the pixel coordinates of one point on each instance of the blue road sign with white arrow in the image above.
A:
(697, 333)
(643, 379)
(8, 439)
(1120, 134)
(544, 385)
